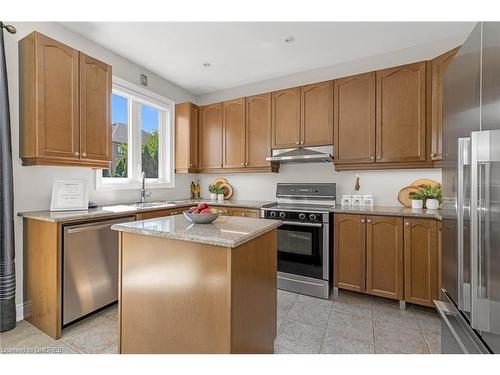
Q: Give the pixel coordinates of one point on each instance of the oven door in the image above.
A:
(300, 249)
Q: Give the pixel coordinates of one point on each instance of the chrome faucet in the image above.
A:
(144, 194)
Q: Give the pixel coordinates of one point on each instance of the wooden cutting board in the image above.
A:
(404, 195)
(424, 181)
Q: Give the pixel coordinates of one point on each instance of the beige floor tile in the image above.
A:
(353, 304)
(351, 326)
(310, 310)
(335, 343)
(397, 338)
(299, 338)
(111, 312)
(94, 335)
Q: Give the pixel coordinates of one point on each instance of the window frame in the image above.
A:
(136, 96)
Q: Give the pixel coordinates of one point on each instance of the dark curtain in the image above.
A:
(7, 266)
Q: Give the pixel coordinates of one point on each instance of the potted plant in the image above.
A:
(417, 199)
(220, 193)
(213, 189)
(432, 196)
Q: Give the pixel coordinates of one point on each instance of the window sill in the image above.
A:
(133, 185)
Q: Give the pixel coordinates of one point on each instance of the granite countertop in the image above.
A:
(226, 231)
(390, 211)
(130, 208)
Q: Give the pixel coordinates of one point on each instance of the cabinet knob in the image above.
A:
(243, 214)
(190, 165)
(362, 220)
(369, 221)
(84, 154)
(297, 143)
(433, 155)
(77, 153)
(372, 157)
(220, 165)
(242, 164)
(407, 223)
(246, 164)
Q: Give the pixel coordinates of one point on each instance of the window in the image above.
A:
(142, 140)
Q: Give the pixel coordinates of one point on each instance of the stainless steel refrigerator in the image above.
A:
(470, 305)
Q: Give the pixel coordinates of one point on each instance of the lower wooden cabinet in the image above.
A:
(160, 213)
(421, 261)
(387, 256)
(349, 252)
(245, 212)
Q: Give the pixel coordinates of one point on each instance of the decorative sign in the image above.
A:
(69, 195)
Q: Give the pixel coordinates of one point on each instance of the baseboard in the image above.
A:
(20, 311)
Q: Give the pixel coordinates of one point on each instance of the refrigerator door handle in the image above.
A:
(474, 228)
(463, 159)
(443, 313)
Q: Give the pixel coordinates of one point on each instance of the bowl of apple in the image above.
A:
(201, 214)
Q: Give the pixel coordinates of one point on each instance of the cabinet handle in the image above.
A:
(297, 143)
(220, 165)
(242, 164)
(246, 164)
(372, 157)
(407, 223)
(362, 220)
(84, 154)
(190, 165)
(369, 221)
(77, 153)
(433, 155)
(243, 214)
(302, 142)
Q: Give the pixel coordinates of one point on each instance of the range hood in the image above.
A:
(302, 155)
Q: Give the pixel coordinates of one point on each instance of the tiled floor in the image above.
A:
(350, 323)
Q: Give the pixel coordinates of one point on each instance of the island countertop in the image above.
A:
(226, 231)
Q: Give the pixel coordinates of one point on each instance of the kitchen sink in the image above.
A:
(151, 204)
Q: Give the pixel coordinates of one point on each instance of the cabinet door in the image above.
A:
(233, 120)
(244, 212)
(186, 138)
(316, 103)
(211, 136)
(286, 118)
(439, 65)
(384, 256)
(421, 261)
(258, 130)
(354, 119)
(401, 114)
(57, 99)
(349, 252)
(95, 109)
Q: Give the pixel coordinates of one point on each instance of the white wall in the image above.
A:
(384, 185)
(33, 185)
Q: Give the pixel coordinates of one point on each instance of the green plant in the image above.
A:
(215, 189)
(428, 192)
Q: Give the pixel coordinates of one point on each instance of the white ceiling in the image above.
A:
(244, 53)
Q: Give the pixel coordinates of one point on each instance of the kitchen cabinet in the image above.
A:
(234, 133)
(245, 212)
(354, 119)
(349, 252)
(316, 108)
(438, 68)
(211, 133)
(421, 261)
(95, 109)
(258, 131)
(401, 114)
(160, 213)
(186, 138)
(384, 256)
(286, 122)
(65, 99)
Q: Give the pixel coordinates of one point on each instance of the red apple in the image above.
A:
(202, 206)
(206, 211)
(193, 209)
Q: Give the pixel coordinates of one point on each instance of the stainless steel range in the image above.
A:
(304, 239)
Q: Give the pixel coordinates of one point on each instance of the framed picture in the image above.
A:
(69, 195)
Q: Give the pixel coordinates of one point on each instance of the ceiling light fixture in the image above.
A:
(207, 65)
(290, 39)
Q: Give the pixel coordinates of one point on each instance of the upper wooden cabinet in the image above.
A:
(65, 101)
(438, 68)
(234, 133)
(211, 133)
(95, 109)
(316, 108)
(384, 256)
(349, 252)
(186, 138)
(354, 119)
(421, 261)
(286, 121)
(400, 114)
(258, 130)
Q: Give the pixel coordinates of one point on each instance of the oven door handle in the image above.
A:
(299, 224)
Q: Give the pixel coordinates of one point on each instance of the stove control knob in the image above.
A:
(302, 216)
(312, 217)
(282, 215)
(272, 214)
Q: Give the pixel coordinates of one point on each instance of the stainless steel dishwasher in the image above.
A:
(90, 267)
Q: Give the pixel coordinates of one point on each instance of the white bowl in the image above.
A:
(201, 218)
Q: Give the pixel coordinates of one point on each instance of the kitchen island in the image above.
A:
(197, 288)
